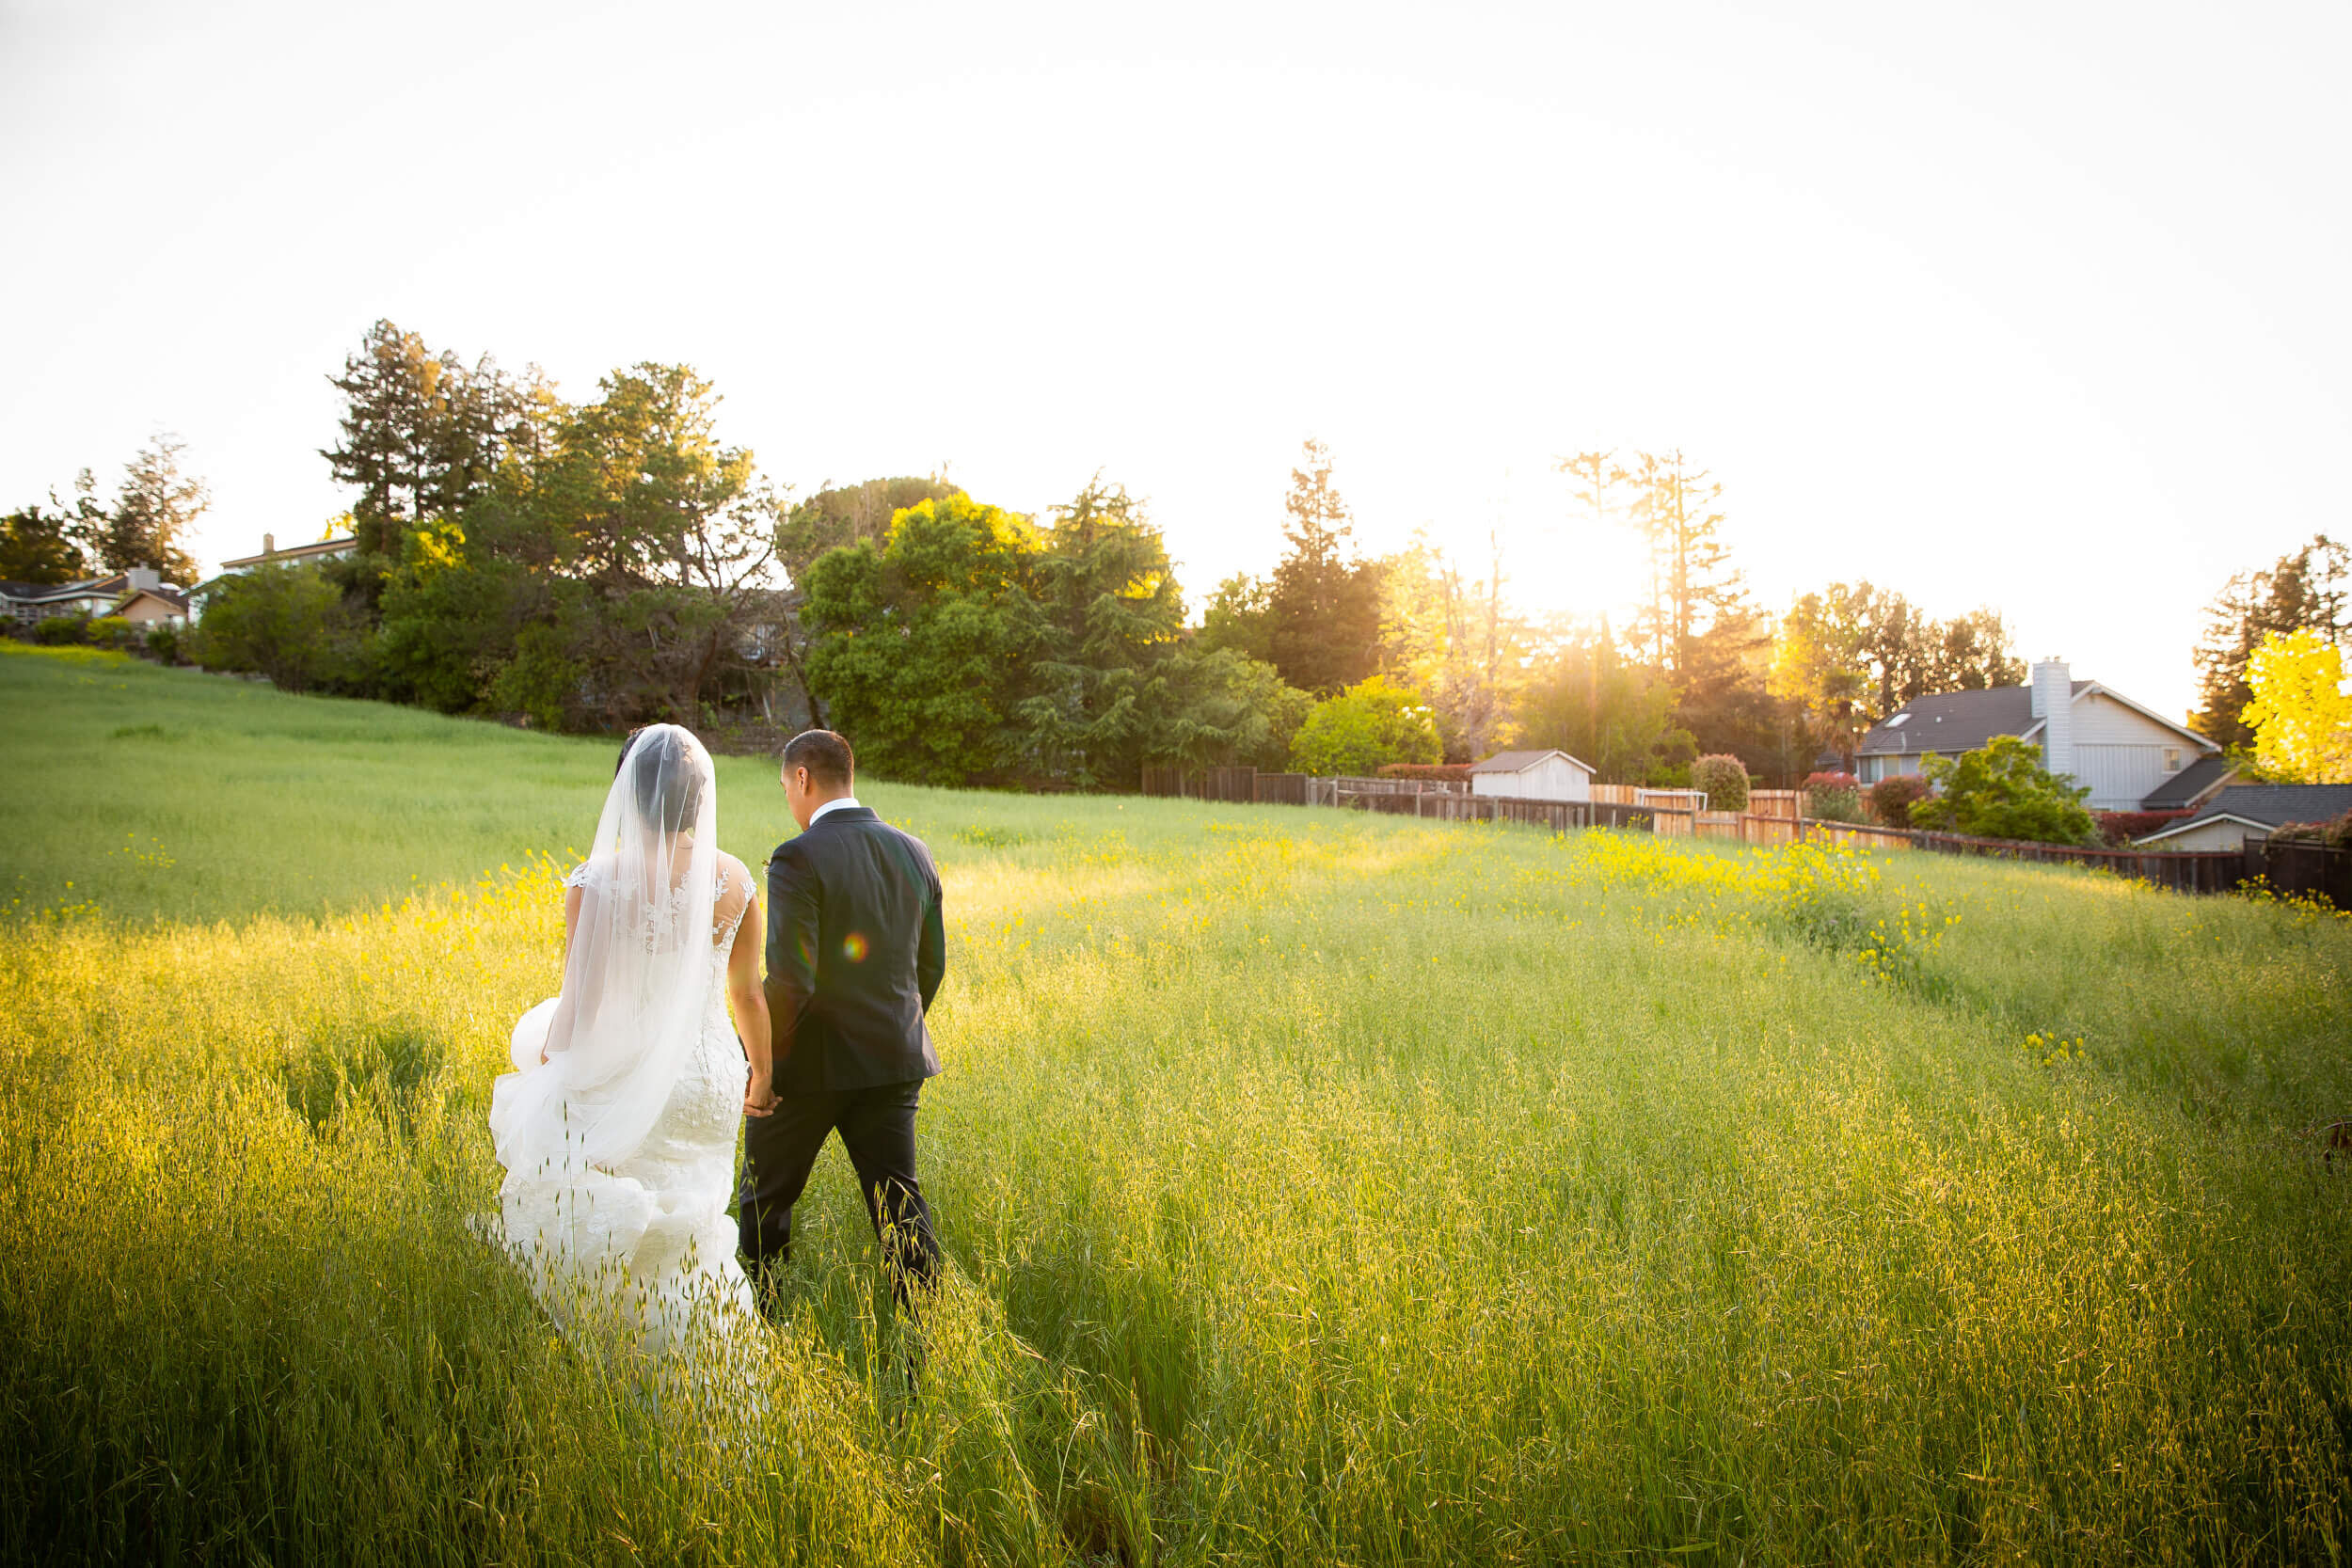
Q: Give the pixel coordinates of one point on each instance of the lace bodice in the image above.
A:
(733, 898)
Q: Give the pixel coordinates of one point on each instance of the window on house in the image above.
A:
(1899, 721)
(2171, 759)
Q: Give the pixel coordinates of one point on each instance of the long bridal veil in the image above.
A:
(636, 978)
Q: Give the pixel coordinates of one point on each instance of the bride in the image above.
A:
(617, 1128)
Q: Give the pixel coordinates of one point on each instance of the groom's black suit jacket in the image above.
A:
(856, 950)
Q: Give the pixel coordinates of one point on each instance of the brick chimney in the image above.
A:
(2054, 704)
(269, 543)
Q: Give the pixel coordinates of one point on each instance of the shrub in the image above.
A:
(1891, 799)
(1431, 772)
(163, 644)
(1369, 723)
(2002, 791)
(111, 631)
(1725, 780)
(2335, 834)
(1833, 797)
(2121, 826)
(56, 631)
(284, 622)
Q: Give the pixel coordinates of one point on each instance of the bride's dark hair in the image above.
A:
(666, 787)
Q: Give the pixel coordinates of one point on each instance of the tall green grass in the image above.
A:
(1317, 1188)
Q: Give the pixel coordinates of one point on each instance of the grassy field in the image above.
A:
(1318, 1188)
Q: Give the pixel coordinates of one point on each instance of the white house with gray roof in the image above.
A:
(2129, 754)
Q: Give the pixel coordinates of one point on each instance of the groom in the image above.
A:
(856, 950)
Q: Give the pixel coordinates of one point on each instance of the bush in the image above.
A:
(1429, 772)
(287, 623)
(1891, 799)
(1369, 723)
(1725, 780)
(2335, 834)
(163, 644)
(2120, 826)
(56, 631)
(111, 631)
(1832, 798)
(2002, 791)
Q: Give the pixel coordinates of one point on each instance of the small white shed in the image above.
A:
(1533, 776)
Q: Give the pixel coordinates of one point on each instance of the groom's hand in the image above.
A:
(759, 1096)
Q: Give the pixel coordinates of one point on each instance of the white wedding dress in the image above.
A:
(618, 1126)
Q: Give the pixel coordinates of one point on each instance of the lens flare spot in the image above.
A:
(853, 947)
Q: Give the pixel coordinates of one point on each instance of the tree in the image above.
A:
(287, 622)
(1457, 639)
(1324, 608)
(671, 531)
(2002, 791)
(1227, 709)
(41, 547)
(153, 512)
(1692, 580)
(1111, 619)
(423, 436)
(2304, 590)
(1853, 654)
(843, 514)
(1239, 616)
(1588, 701)
(921, 647)
(1371, 723)
(2299, 713)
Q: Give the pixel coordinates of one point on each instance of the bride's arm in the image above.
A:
(749, 1003)
(562, 1017)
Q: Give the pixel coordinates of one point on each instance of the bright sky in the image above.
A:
(2036, 306)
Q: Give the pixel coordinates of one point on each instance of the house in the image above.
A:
(2251, 812)
(1533, 776)
(324, 549)
(28, 602)
(2129, 755)
(154, 606)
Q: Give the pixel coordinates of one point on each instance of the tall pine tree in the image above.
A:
(1323, 610)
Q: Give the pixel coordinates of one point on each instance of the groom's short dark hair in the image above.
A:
(825, 755)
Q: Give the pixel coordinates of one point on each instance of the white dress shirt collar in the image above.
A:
(844, 803)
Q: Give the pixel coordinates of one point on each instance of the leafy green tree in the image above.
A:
(671, 533)
(848, 515)
(422, 435)
(1851, 654)
(156, 508)
(1239, 616)
(1111, 618)
(1588, 701)
(2002, 791)
(1227, 709)
(921, 647)
(286, 622)
(1323, 608)
(1371, 723)
(41, 547)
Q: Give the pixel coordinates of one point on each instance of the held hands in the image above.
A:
(759, 1095)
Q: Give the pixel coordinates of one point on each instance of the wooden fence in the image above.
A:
(2312, 870)
(2301, 868)
(1559, 816)
(2185, 870)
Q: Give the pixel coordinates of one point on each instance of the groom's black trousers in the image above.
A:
(876, 1127)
